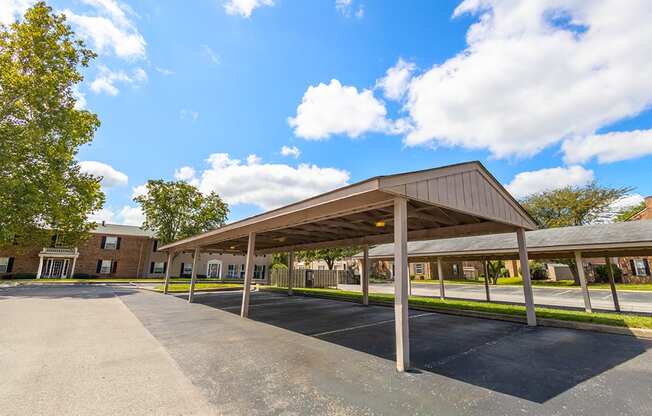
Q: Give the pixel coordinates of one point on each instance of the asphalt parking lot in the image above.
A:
(298, 355)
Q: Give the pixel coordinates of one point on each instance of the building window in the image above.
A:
(259, 271)
(159, 267)
(231, 273)
(4, 264)
(418, 268)
(105, 268)
(242, 271)
(110, 243)
(187, 268)
(456, 270)
(639, 266)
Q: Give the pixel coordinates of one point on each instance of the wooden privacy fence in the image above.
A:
(311, 278)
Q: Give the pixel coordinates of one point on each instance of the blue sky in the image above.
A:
(544, 93)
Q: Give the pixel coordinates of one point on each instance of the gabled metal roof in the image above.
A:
(462, 199)
(617, 239)
(119, 229)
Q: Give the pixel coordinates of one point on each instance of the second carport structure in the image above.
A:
(449, 201)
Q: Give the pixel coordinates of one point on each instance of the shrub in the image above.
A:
(601, 274)
(18, 276)
(84, 276)
(538, 271)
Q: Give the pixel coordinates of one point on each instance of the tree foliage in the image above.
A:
(626, 213)
(329, 255)
(579, 205)
(41, 187)
(176, 209)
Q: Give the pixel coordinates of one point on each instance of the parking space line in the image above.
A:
(353, 328)
(565, 291)
(296, 300)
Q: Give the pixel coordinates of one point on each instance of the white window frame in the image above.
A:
(242, 271)
(106, 267)
(187, 268)
(259, 272)
(419, 268)
(159, 267)
(4, 264)
(219, 269)
(639, 266)
(231, 271)
(111, 242)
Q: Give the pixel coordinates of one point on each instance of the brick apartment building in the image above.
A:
(120, 251)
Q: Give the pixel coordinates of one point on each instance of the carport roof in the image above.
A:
(462, 199)
(615, 240)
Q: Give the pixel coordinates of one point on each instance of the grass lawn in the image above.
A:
(206, 287)
(517, 281)
(613, 319)
(106, 280)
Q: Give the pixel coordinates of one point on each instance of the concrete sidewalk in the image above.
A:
(77, 350)
(548, 296)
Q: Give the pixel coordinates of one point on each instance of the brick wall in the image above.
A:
(25, 261)
(133, 252)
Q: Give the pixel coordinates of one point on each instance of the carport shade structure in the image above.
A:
(624, 239)
(450, 201)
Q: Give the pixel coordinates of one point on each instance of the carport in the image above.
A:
(450, 201)
(625, 239)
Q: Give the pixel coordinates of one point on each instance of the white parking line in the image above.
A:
(295, 300)
(564, 292)
(352, 328)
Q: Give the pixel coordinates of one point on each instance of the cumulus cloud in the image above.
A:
(397, 80)
(127, 215)
(266, 185)
(139, 190)
(290, 151)
(111, 29)
(106, 80)
(527, 183)
(110, 176)
(608, 147)
(10, 10)
(164, 71)
(536, 72)
(244, 8)
(333, 108)
(347, 8)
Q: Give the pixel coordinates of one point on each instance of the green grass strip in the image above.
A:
(612, 319)
(212, 287)
(517, 281)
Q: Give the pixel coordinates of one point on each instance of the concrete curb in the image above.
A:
(547, 322)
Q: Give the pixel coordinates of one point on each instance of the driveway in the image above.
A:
(568, 297)
(100, 350)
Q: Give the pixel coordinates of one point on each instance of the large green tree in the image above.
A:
(176, 209)
(329, 255)
(574, 205)
(41, 187)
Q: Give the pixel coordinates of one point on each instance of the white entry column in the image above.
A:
(193, 278)
(168, 267)
(39, 272)
(249, 273)
(527, 283)
(440, 273)
(401, 276)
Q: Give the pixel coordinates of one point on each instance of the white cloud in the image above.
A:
(106, 80)
(80, 98)
(608, 147)
(397, 80)
(127, 215)
(244, 8)
(10, 10)
(347, 9)
(139, 190)
(627, 201)
(290, 151)
(527, 183)
(110, 176)
(111, 30)
(266, 185)
(186, 114)
(328, 109)
(534, 73)
(185, 173)
(164, 71)
(210, 54)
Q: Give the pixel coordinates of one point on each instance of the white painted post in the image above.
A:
(525, 272)
(72, 269)
(290, 271)
(40, 267)
(612, 283)
(401, 277)
(579, 265)
(364, 278)
(249, 273)
(193, 278)
(486, 280)
(168, 267)
(440, 272)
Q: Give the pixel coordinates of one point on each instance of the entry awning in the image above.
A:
(450, 201)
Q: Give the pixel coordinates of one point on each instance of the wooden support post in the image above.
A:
(193, 278)
(401, 277)
(440, 272)
(486, 280)
(168, 267)
(290, 271)
(579, 265)
(249, 273)
(364, 277)
(525, 272)
(612, 283)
